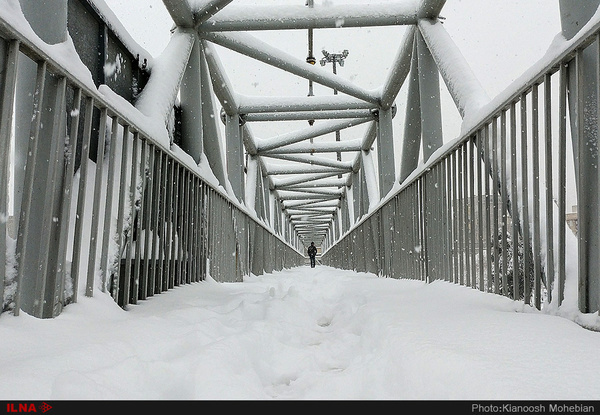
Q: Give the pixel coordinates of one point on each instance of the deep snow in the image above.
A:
(301, 334)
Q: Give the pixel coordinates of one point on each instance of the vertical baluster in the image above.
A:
(63, 269)
(50, 225)
(8, 85)
(148, 229)
(472, 221)
(161, 223)
(95, 237)
(562, 157)
(461, 215)
(141, 217)
(28, 186)
(117, 262)
(504, 209)
(108, 206)
(489, 172)
(81, 195)
(133, 218)
(497, 208)
(549, 271)
(525, 202)
(480, 233)
(456, 216)
(535, 213)
(598, 118)
(188, 224)
(170, 236)
(514, 200)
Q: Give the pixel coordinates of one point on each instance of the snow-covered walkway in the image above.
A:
(301, 334)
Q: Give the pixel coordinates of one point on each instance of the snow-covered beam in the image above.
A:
(221, 84)
(256, 104)
(251, 181)
(308, 197)
(316, 184)
(369, 137)
(307, 133)
(430, 102)
(307, 115)
(370, 178)
(253, 47)
(299, 214)
(313, 205)
(160, 94)
(225, 93)
(180, 12)
(306, 218)
(411, 138)
(295, 169)
(430, 9)
(400, 69)
(190, 93)
(210, 127)
(322, 192)
(312, 231)
(332, 147)
(279, 182)
(311, 160)
(243, 18)
(309, 225)
(205, 9)
(464, 87)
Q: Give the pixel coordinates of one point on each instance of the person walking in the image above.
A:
(312, 253)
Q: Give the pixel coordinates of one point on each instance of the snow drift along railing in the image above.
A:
(102, 202)
(489, 209)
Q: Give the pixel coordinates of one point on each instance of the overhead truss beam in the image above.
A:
(246, 18)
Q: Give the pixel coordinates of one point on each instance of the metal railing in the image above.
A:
(135, 219)
(489, 211)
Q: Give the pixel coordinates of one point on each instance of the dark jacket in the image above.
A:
(312, 250)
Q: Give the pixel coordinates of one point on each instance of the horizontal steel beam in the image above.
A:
(324, 191)
(271, 170)
(245, 18)
(277, 182)
(313, 184)
(316, 216)
(311, 160)
(307, 133)
(308, 115)
(249, 104)
(284, 198)
(315, 204)
(332, 147)
(321, 191)
(299, 213)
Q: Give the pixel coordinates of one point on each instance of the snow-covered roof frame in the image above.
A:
(287, 163)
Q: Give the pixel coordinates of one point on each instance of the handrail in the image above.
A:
(512, 120)
(138, 162)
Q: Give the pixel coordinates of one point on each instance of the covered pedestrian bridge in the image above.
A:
(131, 174)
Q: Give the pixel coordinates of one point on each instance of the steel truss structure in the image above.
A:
(459, 211)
